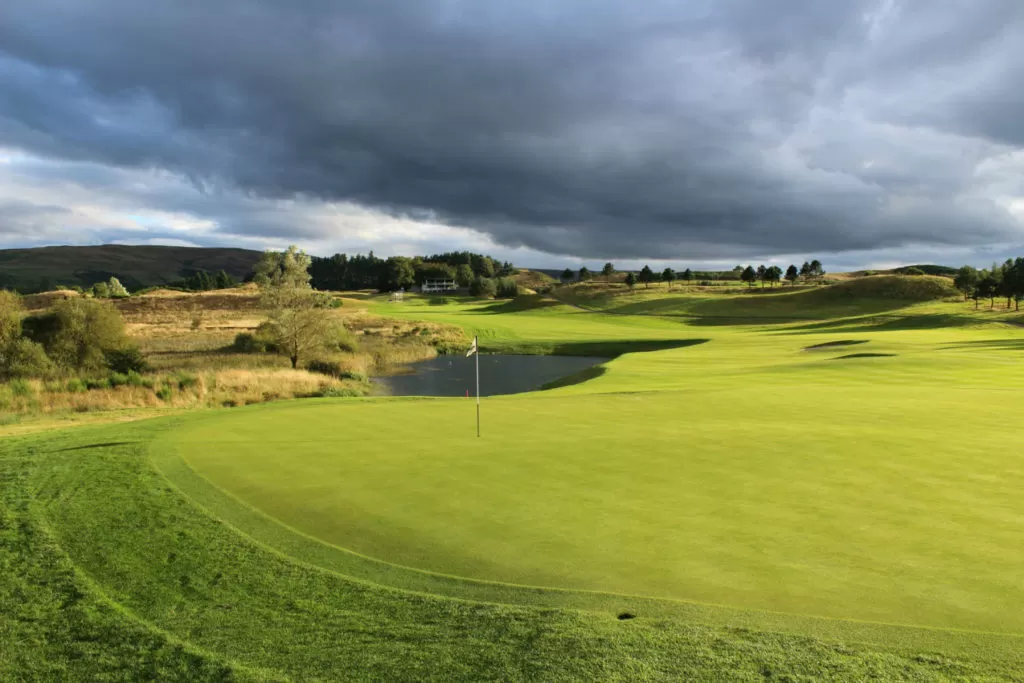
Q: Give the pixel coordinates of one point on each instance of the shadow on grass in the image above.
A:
(850, 356)
(834, 344)
(887, 323)
(576, 378)
(602, 349)
(108, 444)
(991, 344)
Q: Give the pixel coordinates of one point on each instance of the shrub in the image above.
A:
(353, 375)
(86, 330)
(115, 290)
(20, 387)
(93, 383)
(247, 343)
(335, 302)
(324, 367)
(125, 360)
(184, 380)
(507, 288)
(118, 379)
(76, 386)
(346, 341)
(23, 358)
(341, 392)
(483, 288)
(164, 393)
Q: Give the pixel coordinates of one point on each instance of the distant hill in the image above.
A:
(42, 268)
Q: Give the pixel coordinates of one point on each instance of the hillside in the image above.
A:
(40, 269)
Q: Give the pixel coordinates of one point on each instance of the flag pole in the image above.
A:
(477, 354)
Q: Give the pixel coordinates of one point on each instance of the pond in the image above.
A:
(499, 374)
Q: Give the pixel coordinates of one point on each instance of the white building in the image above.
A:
(443, 285)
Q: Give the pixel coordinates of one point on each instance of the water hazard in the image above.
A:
(499, 374)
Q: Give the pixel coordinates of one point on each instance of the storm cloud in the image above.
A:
(599, 129)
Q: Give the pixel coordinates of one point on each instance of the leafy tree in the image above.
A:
(11, 311)
(749, 275)
(297, 324)
(85, 331)
(817, 272)
(792, 275)
(687, 276)
(115, 289)
(966, 280)
(464, 275)
(483, 287)
(773, 274)
(669, 276)
(987, 288)
(19, 357)
(585, 274)
(506, 288)
(762, 274)
(224, 281)
(646, 276)
(631, 280)
(608, 271)
(400, 274)
(101, 290)
(567, 275)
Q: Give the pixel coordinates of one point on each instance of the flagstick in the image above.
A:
(477, 354)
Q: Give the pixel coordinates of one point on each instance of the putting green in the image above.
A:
(745, 471)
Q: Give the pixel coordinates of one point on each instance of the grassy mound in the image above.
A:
(886, 287)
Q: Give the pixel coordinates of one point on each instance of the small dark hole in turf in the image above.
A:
(626, 615)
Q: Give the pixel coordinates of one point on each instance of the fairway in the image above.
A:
(749, 470)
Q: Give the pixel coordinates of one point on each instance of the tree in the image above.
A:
(567, 275)
(669, 276)
(400, 274)
(608, 271)
(297, 323)
(817, 272)
(101, 290)
(762, 274)
(483, 287)
(966, 280)
(464, 275)
(224, 281)
(687, 276)
(646, 276)
(585, 274)
(987, 288)
(792, 275)
(749, 275)
(773, 274)
(85, 330)
(631, 280)
(115, 289)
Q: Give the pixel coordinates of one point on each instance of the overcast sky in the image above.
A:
(547, 132)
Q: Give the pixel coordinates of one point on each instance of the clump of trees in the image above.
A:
(202, 281)
(111, 289)
(343, 272)
(1004, 280)
(811, 271)
(78, 337)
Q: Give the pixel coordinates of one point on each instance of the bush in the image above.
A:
(325, 367)
(247, 343)
(20, 387)
(335, 302)
(184, 380)
(164, 393)
(341, 392)
(94, 383)
(23, 358)
(86, 331)
(118, 379)
(483, 288)
(507, 288)
(125, 360)
(76, 386)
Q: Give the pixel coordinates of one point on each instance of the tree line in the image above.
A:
(810, 271)
(1001, 281)
(343, 272)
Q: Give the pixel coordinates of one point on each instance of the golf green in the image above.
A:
(749, 471)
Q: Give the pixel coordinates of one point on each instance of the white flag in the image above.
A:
(472, 349)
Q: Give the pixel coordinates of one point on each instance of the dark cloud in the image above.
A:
(712, 129)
